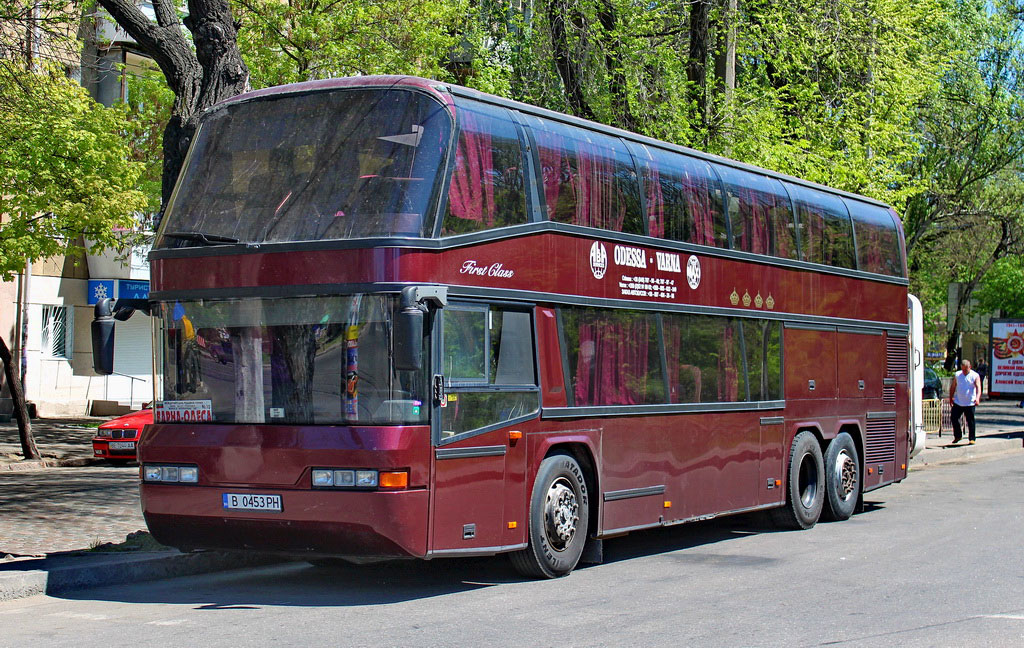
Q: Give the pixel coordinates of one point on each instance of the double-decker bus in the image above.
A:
(400, 318)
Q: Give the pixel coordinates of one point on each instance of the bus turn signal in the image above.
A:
(399, 479)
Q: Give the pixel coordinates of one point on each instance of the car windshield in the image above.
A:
(335, 164)
(312, 360)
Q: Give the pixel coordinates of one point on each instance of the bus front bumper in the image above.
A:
(310, 522)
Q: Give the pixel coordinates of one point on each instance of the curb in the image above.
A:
(962, 454)
(23, 465)
(59, 573)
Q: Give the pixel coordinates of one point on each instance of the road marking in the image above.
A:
(169, 622)
(1014, 617)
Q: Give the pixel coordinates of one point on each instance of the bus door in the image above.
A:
(485, 387)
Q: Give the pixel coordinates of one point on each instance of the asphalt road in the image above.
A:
(935, 561)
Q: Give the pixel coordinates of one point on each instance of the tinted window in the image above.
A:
(315, 360)
(486, 188)
(878, 242)
(826, 234)
(613, 357)
(684, 200)
(704, 359)
(760, 213)
(588, 178)
(323, 165)
(486, 347)
(465, 344)
(762, 341)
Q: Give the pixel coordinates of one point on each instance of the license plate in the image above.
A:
(243, 502)
(122, 445)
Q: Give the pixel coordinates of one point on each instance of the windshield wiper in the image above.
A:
(205, 239)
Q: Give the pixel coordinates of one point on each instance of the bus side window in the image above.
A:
(703, 359)
(505, 388)
(588, 178)
(487, 187)
(878, 244)
(614, 357)
(683, 199)
(759, 209)
(826, 233)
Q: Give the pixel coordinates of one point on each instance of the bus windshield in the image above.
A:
(338, 164)
(305, 361)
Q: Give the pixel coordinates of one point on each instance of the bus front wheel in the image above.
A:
(805, 485)
(559, 515)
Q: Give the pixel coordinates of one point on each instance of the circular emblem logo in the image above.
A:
(598, 259)
(693, 272)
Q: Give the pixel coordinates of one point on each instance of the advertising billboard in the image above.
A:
(1006, 354)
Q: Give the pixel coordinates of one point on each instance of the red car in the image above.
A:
(118, 438)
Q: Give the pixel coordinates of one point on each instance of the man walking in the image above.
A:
(964, 395)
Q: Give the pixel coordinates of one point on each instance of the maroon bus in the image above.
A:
(400, 318)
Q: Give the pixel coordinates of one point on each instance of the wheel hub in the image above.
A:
(846, 475)
(561, 513)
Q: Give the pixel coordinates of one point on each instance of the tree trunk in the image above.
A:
(213, 72)
(28, 443)
(567, 64)
(696, 66)
(617, 85)
(725, 68)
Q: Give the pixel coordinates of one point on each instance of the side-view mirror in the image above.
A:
(408, 334)
(103, 337)
(409, 323)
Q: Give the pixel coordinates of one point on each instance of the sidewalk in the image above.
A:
(62, 442)
(49, 515)
(1000, 429)
(64, 520)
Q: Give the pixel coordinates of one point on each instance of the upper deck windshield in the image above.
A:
(337, 164)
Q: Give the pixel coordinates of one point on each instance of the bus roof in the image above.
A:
(444, 92)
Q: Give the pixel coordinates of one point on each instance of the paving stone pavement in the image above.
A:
(63, 509)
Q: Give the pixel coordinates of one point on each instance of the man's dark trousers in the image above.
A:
(968, 413)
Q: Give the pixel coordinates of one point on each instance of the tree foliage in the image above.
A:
(302, 40)
(65, 170)
(1003, 291)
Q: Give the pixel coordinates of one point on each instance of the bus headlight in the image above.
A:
(358, 478)
(170, 474)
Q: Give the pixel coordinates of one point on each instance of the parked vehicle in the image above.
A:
(118, 438)
(400, 318)
(932, 387)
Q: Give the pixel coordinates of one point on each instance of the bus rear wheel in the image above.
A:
(842, 477)
(559, 515)
(805, 485)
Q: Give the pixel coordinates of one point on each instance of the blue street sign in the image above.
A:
(100, 289)
(132, 289)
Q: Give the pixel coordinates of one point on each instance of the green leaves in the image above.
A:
(301, 40)
(65, 170)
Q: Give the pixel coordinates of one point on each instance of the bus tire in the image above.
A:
(559, 515)
(842, 477)
(805, 485)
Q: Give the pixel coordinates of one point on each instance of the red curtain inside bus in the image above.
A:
(588, 178)
(614, 357)
(469, 197)
(486, 188)
(680, 198)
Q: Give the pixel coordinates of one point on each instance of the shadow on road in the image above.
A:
(346, 585)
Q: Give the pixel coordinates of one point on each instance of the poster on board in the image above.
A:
(1006, 357)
